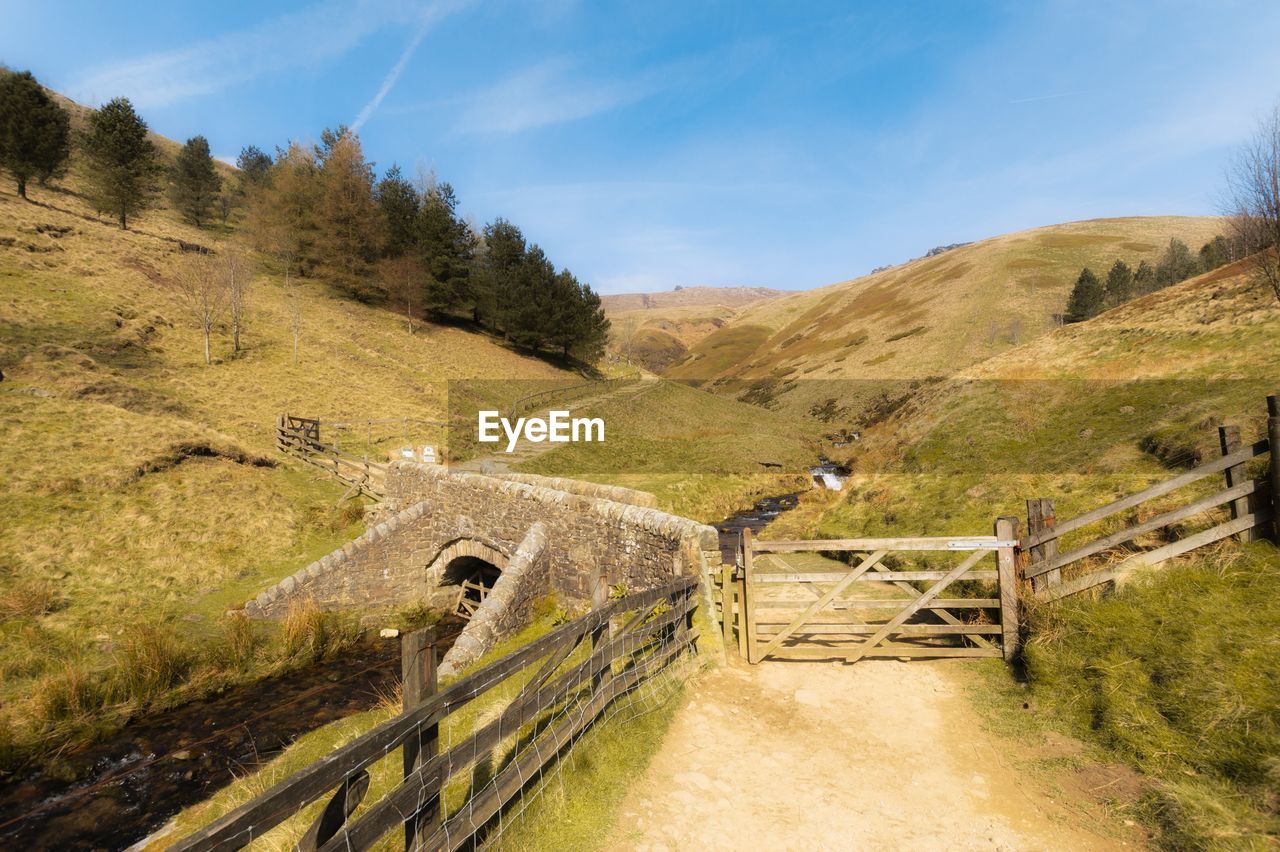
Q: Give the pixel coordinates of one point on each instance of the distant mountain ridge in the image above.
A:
(657, 329)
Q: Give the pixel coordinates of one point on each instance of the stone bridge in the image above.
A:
(523, 536)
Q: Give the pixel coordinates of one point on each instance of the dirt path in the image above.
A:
(878, 755)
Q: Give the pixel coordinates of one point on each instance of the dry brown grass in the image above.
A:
(968, 304)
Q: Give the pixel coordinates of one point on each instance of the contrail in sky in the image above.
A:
(431, 15)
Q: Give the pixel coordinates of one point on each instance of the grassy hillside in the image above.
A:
(1174, 674)
(703, 456)
(140, 485)
(829, 350)
(657, 329)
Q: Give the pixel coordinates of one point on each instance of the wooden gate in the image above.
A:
(880, 605)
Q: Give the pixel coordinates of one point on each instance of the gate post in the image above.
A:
(1041, 518)
(748, 575)
(418, 679)
(1229, 440)
(726, 605)
(1007, 573)
(1273, 441)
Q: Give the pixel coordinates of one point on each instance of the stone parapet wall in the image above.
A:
(616, 493)
(437, 515)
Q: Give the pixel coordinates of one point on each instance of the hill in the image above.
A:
(141, 484)
(1166, 675)
(828, 351)
(657, 329)
(143, 492)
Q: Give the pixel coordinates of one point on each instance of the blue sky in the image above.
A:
(649, 144)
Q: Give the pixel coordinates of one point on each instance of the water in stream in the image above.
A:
(130, 784)
(754, 519)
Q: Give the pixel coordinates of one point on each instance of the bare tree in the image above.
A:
(203, 293)
(401, 279)
(236, 275)
(295, 313)
(1253, 200)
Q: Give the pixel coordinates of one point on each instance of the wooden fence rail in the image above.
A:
(1248, 501)
(772, 620)
(300, 438)
(564, 695)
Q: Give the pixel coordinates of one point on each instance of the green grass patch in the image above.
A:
(1179, 675)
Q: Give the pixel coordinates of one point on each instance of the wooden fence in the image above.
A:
(801, 615)
(1248, 502)
(573, 674)
(300, 438)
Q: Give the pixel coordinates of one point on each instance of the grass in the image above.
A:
(929, 317)
(141, 487)
(571, 807)
(703, 456)
(1175, 675)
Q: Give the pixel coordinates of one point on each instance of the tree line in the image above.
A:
(1092, 295)
(320, 211)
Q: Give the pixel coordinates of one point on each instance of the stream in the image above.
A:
(754, 519)
(130, 784)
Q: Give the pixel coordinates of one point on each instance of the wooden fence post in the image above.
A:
(726, 604)
(1273, 440)
(1229, 439)
(1007, 570)
(748, 574)
(599, 600)
(741, 616)
(1041, 518)
(418, 680)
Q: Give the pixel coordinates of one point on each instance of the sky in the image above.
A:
(646, 145)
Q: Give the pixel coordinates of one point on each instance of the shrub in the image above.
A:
(238, 648)
(310, 634)
(151, 660)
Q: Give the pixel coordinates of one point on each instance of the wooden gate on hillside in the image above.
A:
(786, 602)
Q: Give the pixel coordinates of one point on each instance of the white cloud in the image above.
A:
(549, 93)
(310, 35)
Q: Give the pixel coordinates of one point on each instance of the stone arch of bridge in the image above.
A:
(466, 559)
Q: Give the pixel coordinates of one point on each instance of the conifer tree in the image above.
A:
(122, 161)
(194, 182)
(1215, 253)
(34, 130)
(1086, 297)
(282, 209)
(1144, 279)
(1176, 264)
(502, 257)
(1119, 283)
(254, 164)
(398, 201)
(528, 304)
(447, 250)
(349, 226)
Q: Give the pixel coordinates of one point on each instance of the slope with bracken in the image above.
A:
(657, 329)
(827, 351)
(141, 486)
